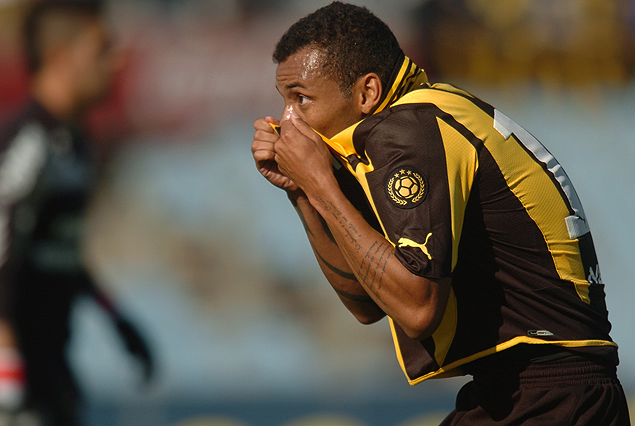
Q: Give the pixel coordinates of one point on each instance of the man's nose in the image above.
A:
(286, 113)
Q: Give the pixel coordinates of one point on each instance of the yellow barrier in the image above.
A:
(325, 420)
(212, 421)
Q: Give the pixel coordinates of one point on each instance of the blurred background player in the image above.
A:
(46, 177)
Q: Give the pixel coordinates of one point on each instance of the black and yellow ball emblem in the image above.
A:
(406, 187)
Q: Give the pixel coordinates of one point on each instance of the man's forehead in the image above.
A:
(304, 65)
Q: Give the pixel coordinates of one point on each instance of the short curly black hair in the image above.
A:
(352, 39)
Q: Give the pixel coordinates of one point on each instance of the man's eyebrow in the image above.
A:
(291, 87)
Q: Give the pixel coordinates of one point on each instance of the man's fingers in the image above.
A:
(263, 155)
(304, 128)
(264, 124)
(262, 152)
(272, 120)
(266, 135)
(259, 144)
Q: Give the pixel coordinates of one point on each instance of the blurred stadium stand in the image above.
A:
(571, 43)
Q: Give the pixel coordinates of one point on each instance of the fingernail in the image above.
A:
(295, 115)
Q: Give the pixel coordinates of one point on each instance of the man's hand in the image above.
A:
(302, 155)
(264, 154)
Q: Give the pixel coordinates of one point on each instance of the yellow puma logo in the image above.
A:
(405, 242)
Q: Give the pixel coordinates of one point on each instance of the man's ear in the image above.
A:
(369, 91)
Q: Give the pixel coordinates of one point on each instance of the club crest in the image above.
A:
(406, 187)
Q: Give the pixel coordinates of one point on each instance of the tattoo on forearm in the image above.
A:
(344, 274)
(373, 266)
(351, 232)
(303, 220)
(355, 297)
(326, 228)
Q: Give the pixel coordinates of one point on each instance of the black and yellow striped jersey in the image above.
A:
(462, 191)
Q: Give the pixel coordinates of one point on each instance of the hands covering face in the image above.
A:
(293, 158)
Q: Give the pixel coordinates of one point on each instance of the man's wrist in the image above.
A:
(297, 196)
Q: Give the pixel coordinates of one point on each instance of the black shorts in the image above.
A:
(571, 391)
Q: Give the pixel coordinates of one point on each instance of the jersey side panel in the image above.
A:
(531, 184)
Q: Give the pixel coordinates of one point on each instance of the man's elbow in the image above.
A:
(420, 327)
(369, 316)
(420, 320)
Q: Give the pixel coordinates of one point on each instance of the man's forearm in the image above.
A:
(415, 303)
(333, 264)
(367, 264)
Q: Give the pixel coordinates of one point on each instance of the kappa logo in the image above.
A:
(406, 187)
(538, 333)
(405, 242)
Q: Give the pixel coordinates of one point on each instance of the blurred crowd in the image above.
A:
(572, 43)
(191, 63)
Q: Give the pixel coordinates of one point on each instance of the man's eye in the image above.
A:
(303, 99)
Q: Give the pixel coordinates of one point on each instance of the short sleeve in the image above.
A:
(410, 188)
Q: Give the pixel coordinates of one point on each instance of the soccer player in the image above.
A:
(46, 177)
(428, 205)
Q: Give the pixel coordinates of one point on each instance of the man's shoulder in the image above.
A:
(10, 131)
(397, 115)
(30, 118)
(409, 115)
(417, 112)
(427, 98)
(443, 97)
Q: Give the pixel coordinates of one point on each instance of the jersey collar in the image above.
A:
(406, 77)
